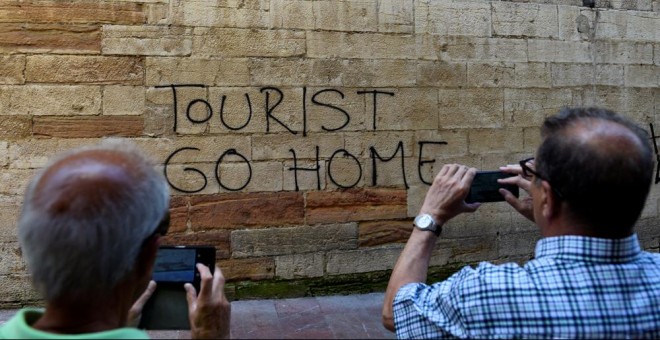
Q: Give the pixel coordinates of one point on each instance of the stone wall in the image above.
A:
(298, 135)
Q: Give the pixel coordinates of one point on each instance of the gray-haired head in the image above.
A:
(85, 217)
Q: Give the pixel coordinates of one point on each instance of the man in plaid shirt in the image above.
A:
(589, 278)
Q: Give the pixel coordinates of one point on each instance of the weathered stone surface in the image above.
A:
(379, 73)
(346, 15)
(167, 71)
(366, 46)
(88, 11)
(248, 269)
(534, 75)
(50, 100)
(11, 261)
(11, 69)
(220, 13)
(385, 143)
(623, 52)
(85, 69)
(232, 211)
(460, 48)
(123, 100)
(642, 76)
(219, 239)
(293, 14)
(453, 18)
(529, 107)
(559, 51)
(179, 208)
(309, 72)
(299, 265)
(441, 74)
(283, 241)
(229, 42)
(15, 127)
(147, 40)
(50, 38)
(470, 108)
(416, 112)
(16, 289)
(396, 16)
(10, 209)
(355, 205)
(518, 243)
(524, 20)
(483, 141)
(362, 261)
(14, 181)
(490, 75)
(376, 233)
(88, 127)
(279, 146)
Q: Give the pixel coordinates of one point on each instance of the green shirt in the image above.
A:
(18, 327)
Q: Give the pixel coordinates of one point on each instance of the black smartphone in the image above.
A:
(175, 265)
(486, 189)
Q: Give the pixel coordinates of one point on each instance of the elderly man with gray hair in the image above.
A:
(89, 231)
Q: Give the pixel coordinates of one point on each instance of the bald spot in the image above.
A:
(605, 138)
(79, 184)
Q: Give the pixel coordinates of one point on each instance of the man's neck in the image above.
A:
(63, 317)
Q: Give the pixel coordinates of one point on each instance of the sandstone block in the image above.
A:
(52, 11)
(238, 112)
(10, 209)
(636, 103)
(88, 127)
(50, 38)
(536, 75)
(415, 196)
(306, 180)
(11, 69)
(210, 148)
(346, 172)
(167, 71)
(457, 144)
(490, 75)
(323, 118)
(479, 223)
(230, 42)
(50, 100)
(123, 100)
(4, 154)
(15, 181)
(295, 240)
(374, 233)
(559, 51)
(380, 73)
(85, 69)
(623, 52)
(299, 265)
(179, 217)
(575, 23)
(248, 269)
(585, 74)
(366, 46)
(147, 40)
(395, 16)
(459, 48)
(642, 76)
(453, 18)
(531, 139)
(417, 109)
(470, 249)
(10, 259)
(350, 16)
(470, 108)
(292, 14)
(14, 127)
(266, 176)
(16, 289)
(483, 141)
(441, 74)
(34, 153)
(232, 211)
(529, 107)
(526, 20)
(355, 205)
(224, 13)
(309, 72)
(271, 147)
(384, 142)
(361, 261)
(184, 179)
(628, 25)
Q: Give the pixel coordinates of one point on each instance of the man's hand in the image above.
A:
(135, 313)
(446, 197)
(525, 205)
(209, 312)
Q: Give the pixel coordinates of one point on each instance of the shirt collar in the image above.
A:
(584, 248)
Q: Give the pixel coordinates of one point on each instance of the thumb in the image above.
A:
(191, 296)
(472, 207)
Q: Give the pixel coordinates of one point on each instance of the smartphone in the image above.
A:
(175, 265)
(486, 189)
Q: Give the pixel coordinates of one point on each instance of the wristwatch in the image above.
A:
(427, 223)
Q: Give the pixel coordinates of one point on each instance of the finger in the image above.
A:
(472, 207)
(460, 172)
(512, 169)
(206, 286)
(452, 168)
(191, 296)
(517, 180)
(511, 199)
(443, 170)
(218, 283)
(151, 288)
(468, 177)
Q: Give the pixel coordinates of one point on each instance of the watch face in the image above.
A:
(424, 222)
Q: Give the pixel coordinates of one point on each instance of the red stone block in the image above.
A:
(355, 205)
(248, 269)
(88, 127)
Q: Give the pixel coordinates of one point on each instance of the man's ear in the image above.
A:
(550, 205)
(144, 263)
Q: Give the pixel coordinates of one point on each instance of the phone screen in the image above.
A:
(175, 265)
(486, 189)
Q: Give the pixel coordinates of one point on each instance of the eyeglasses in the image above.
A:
(529, 172)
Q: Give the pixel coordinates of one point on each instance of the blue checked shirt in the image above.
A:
(576, 287)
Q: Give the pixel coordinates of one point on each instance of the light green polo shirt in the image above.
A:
(18, 327)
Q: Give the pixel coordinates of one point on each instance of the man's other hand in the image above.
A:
(525, 205)
(446, 197)
(135, 313)
(209, 312)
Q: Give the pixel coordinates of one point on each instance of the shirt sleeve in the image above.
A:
(431, 311)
